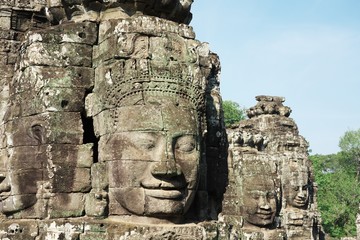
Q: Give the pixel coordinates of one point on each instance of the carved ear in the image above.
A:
(37, 131)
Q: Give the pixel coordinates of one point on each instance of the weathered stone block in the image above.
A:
(80, 156)
(6, 77)
(60, 229)
(130, 45)
(117, 120)
(145, 25)
(57, 55)
(84, 33)
(150, 119)
(65, 205)
(5, 19)
(122, 147)
(3, 60)
(18, 230)
(171, 48)
(3, 162)
(37, 77)
(99, 176)
(94, 236)
(96, 203)
(70, 179)
(96, 226)
(3, 143)
(5, 45)
(51, 100)
(7, 3)
(25, 181)
(28, 157)
(12, 58)
(115, 207)
(25, 3)
(45, 129)
(109, 73)
(171, 120)
(10, 34)
(124, 173)
(14, 203)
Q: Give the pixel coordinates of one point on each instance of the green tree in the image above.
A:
(350, 144)
(338, 194)
(233, 113)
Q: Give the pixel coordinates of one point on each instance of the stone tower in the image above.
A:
(271, 185)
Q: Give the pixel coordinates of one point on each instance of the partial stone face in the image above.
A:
(258, 190)
(259, 200)
(23, 196)
(296, 186)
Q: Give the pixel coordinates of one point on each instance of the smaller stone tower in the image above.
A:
(271, 192)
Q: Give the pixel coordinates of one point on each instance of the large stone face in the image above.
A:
(112, 128)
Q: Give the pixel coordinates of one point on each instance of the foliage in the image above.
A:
(233, 113)
(350, 144)
(350, 141)
(338, 193)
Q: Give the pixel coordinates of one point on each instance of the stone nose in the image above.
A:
(166, 169)
(5, 185)
(264, 203)
(166, 165)
(302, 193)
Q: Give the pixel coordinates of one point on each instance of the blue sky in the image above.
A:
(307, 51)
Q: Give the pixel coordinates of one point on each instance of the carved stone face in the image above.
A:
(296, 191)
(259, 201)
(18, 190)
(153, 163)
(24, 170)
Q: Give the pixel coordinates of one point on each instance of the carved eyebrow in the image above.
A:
(258, 192)
(176, 135)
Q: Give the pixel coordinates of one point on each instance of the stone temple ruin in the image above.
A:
(112, 128)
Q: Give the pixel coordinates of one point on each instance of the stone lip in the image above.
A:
(164, 194)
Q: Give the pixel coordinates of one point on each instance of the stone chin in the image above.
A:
(260, 219)
(299, 203)
(155, 202)
(17, 203)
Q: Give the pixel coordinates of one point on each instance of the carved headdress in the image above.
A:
(138, 90)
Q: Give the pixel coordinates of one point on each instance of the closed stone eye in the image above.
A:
(146, 143)
(271, 195)
(185, 144)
